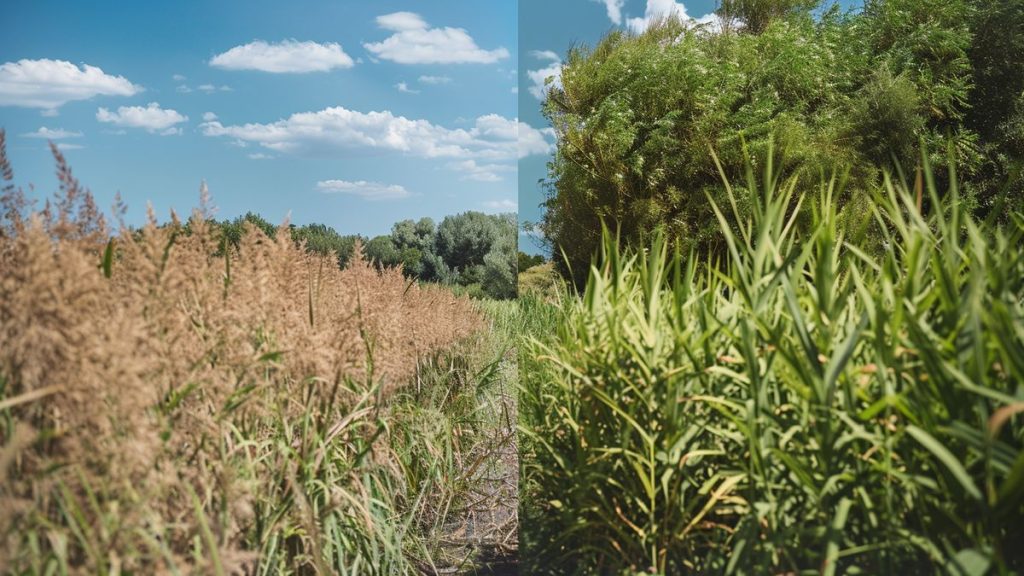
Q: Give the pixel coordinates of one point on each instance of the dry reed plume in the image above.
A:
(157, 390)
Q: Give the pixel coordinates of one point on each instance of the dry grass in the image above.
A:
(169, 405)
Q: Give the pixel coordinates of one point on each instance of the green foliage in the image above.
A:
(382, 252)
(413, 234)
(805, 408)
(754, 16)
(323, 239)
(524, 261)
(541, 281)
(478, 248)
(434, 269)
(885, 118)
(499, 272)
(463, 240)
(636, 113)
(928, 41)
(232, 230)
(997, 103)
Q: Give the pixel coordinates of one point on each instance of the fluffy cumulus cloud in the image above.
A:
(401, 21)
(49, 84)
(614, 8)
(52, 134)
(151, 118)
(533, 141)
(549, 55)
(363, 189)
(492, 137)
(414, 42)
(543, 79)
(289, 56)
(485, 172)
(658, 9)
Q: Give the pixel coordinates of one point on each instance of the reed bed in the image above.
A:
(810, 406)
(172, 404)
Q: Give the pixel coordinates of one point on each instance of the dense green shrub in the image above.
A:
(635, 114)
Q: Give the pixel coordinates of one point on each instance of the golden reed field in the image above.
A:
(173, 404)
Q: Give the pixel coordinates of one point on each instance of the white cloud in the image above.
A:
(399, 21)
(178, 78)
(49, 84)
(470, 170)
(515, 89)
(614, 8)
(545, 55)
(152, 118)
(414, 42)
(289, 56)
(50, 134)
(403, 87)
(69, 146)
(658, 9)
(502, 205)
(491, 137)
(434, 79)
(363, 189)
(206, 88)
(533, 141)
(260, 156)
(209, 116)
(183, 89)
(539, 78)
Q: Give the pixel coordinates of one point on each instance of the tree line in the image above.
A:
(473, 250)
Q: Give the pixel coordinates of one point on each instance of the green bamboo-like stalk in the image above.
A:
(808, 406)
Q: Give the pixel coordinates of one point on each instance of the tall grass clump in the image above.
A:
(170, 403)
(810, 407)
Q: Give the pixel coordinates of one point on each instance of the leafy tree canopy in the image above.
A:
(637, 114)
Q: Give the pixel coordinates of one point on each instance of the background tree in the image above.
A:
(382, 252)
(323, 239)
(474, 250)
(500, 263)
(754, 16)
(837, 92)
(464, 239)
(997, 103)
(526, 261)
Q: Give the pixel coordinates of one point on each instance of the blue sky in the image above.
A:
(351, 114)
(546, 30)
